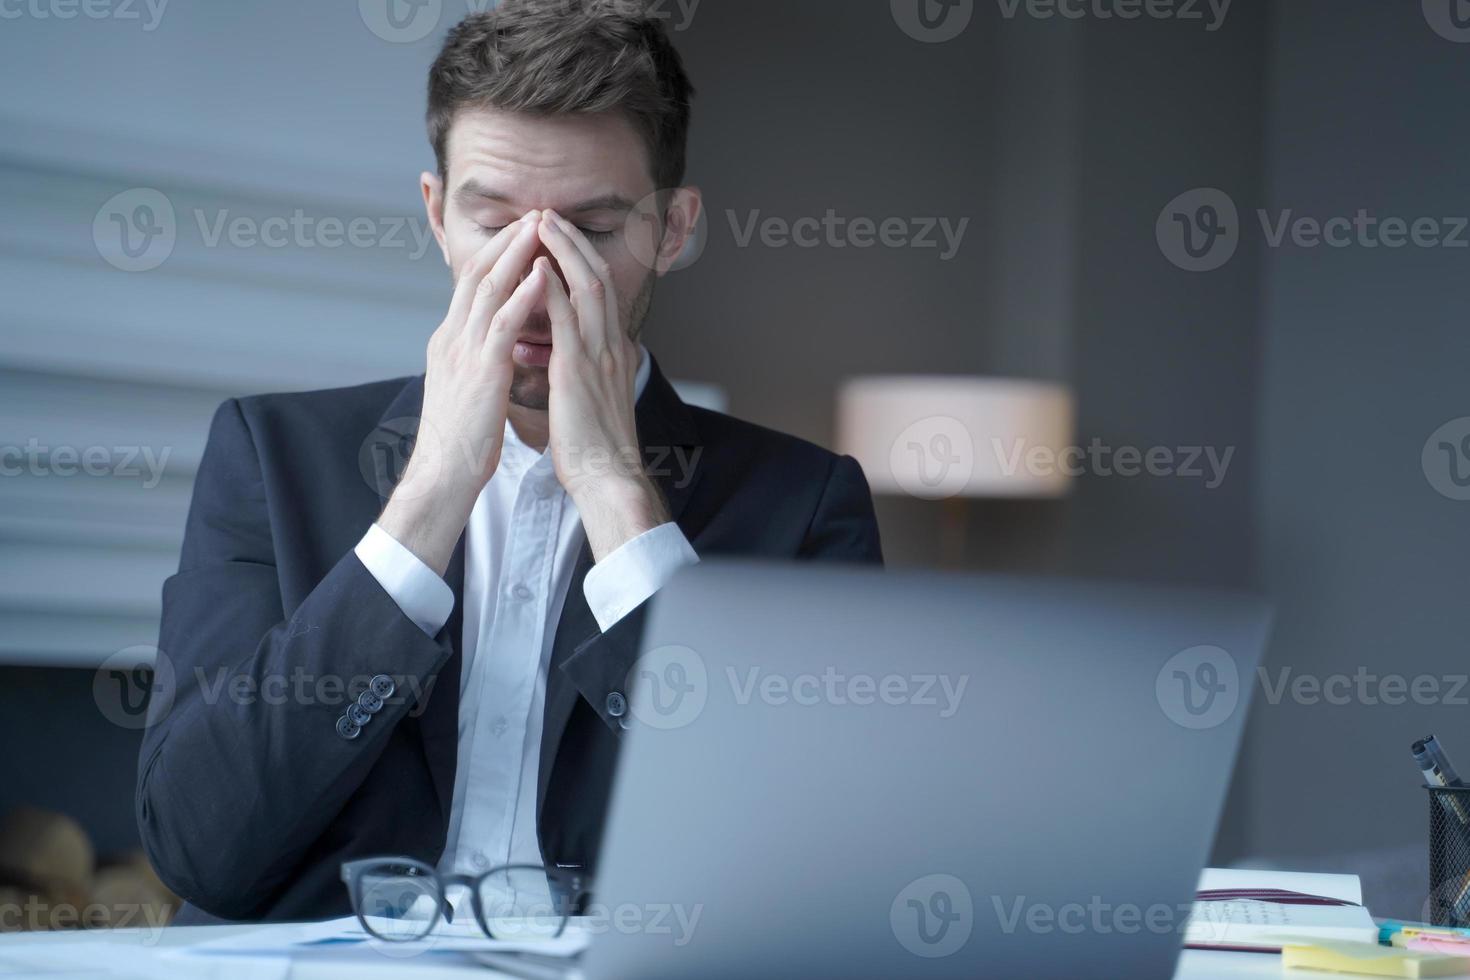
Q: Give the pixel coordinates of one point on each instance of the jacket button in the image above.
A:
(347, 729)
(617, 705)
(370, 702)
(382, 685)
(358, 715)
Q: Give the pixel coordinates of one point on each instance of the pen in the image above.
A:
(1388, 928)
(1391, 927)
(1429, 754)
(1435, 767)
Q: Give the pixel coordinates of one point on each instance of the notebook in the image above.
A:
(1257, 910)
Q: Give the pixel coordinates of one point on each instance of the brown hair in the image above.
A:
(549, 57)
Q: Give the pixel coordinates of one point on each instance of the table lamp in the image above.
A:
(949, 437)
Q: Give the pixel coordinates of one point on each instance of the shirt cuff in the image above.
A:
(625, 579)
(423, 596)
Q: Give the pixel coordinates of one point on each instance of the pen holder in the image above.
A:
(1449, 855)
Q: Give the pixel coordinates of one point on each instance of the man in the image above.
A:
(445, 676)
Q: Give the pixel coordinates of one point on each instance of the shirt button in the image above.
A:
(521, 592)
(382, 685)
(500, 726)
(358, 715)
(370, 702)
(347, 729)
(543, 490)
(617, 705)
(480, 861)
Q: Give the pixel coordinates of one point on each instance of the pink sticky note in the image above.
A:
(1437, 944)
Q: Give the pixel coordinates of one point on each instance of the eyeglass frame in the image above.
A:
(352, 872)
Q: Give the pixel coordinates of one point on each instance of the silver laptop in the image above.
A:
(842, 772)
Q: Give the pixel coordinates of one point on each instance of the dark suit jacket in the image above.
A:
(249, 805)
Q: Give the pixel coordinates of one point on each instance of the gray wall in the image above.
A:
(1060, 142)
(1365, 356)
(228, 112)
(246, 110)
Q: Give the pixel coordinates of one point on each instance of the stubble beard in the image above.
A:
(530, 388)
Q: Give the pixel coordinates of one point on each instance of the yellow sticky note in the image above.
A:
(1371, 959)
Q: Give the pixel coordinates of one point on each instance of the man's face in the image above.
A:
(591, 169)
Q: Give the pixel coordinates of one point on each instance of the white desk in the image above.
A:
(140, 954)
(143, 954)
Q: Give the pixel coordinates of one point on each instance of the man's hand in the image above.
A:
(466, 395)
(593, 435)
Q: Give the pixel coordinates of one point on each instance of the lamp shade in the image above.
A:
(937, 436)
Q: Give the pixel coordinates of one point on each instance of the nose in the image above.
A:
(541, 250)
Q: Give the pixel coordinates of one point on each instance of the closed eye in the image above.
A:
(593, 235)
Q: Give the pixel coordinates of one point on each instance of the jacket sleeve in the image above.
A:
(242, 764)
(843, 527)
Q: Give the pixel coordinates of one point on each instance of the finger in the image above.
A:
(594, 259)
(479, 265)
(506, 323)
(500, 282)
(564, 332)
(589, 292)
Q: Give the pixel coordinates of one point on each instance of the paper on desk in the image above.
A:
(286, 940)
(122, 961)
(1346, 888)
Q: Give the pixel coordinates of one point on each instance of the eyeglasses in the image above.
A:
(399, 899)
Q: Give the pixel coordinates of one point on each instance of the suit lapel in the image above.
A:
(438, 724)
(665, 425)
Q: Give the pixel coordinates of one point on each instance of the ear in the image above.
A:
(433, 190)
(681, 230)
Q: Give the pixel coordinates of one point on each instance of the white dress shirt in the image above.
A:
(521, 544)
